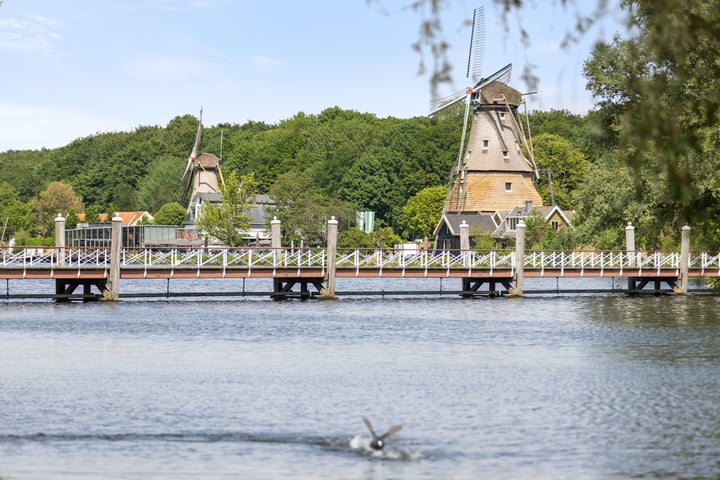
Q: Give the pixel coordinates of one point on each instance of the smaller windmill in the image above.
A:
(202, 172)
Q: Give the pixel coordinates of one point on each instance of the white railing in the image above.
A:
(557, 262)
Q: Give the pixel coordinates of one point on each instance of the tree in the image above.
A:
(422, 212)
(661, 85)
(304, 211)
(354, 238)
(161, 183)
(57, 198)
(385, 237)
(565, 164)
(227, 221)
(171, 214)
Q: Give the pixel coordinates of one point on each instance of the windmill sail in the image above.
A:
(190, 167)
(477, 44)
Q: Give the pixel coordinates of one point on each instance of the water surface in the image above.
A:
(539, 387)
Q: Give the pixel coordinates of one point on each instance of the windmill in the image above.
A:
(202, 172)
(492, 176)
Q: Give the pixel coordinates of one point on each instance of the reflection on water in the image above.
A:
(545, 387)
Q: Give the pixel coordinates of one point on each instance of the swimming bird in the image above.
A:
(378, 442)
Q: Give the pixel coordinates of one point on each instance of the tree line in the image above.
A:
(335, 163)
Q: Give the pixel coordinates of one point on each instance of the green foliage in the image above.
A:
(227, 221)
(354, 238)
(422, 211)
(171, 214)
(304, 211)
(160, 185)
(385, 237)
(57, 198)
(566, 166)
(660, 87)
(482, 241)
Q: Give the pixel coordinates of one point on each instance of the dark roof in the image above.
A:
(483, 220)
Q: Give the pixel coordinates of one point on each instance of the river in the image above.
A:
(548, 387)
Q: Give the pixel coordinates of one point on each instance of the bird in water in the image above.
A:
(378, 441)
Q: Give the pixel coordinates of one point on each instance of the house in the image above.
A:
(259, 213)
(128, 218)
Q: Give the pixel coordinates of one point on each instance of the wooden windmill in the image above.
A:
(492, 175)
(202, 173)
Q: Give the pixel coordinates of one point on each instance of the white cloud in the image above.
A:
(35, 34)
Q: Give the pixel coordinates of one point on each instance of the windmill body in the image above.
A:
(494, 175)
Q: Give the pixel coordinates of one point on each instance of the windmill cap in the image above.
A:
(497, 92)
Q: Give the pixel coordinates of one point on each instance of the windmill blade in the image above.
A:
(440, 104)
(189, 167)
(476, 54)
(502, 75)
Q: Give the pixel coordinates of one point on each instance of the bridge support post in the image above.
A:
(465, 242)
(682, 289)
(115, 250)
(329, 291)
(275, 240)
(60, 240)
(519, 259)
(630, 245)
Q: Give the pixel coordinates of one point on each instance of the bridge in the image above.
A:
(490, 272)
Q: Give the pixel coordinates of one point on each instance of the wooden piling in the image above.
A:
(682, 289)
(275, 240)
(465, 242)
(60, 240)
(113, 293)
(329, 291)
(519, 259)
(630, 245)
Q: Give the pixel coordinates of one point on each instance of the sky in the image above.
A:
(75, 68)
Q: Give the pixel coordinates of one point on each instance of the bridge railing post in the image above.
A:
(684, 261)
(519, 259)
(275, 240)
(630, 245)
(113, 293)
(60, 240)
(332, 228)
(464, 242)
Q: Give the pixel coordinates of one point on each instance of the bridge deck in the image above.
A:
(305, 272)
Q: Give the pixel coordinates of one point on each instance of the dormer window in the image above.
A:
(502, 114)
(505, 154)
(486, 144)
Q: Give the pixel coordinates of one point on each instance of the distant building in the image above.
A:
(202, 181)
(128, 218)
(259, 213)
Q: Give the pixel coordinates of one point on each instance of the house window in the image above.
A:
(555, 224)
(508, 186)
(502, 114)
(505, 154)
(512, 223)
(486, 144)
